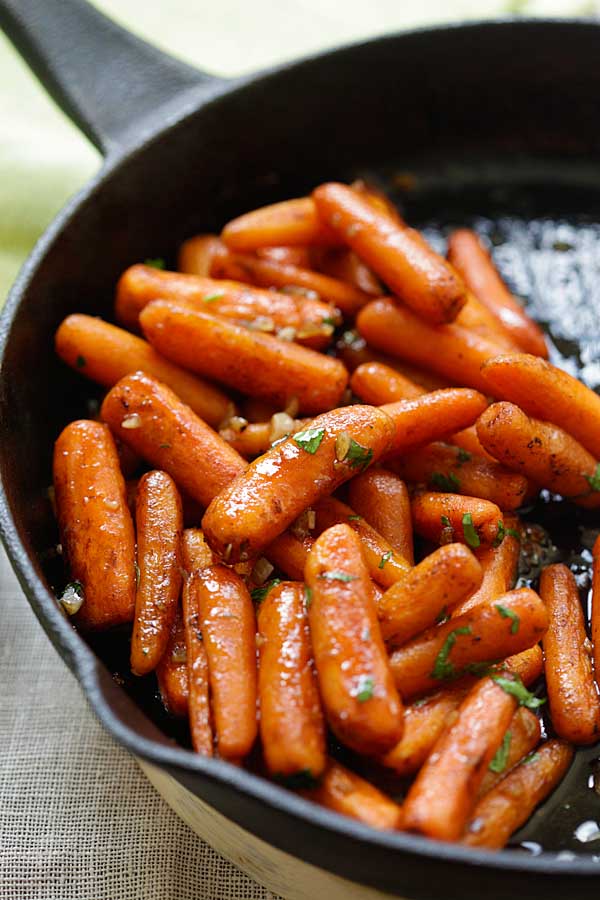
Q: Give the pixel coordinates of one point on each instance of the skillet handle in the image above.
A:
(114, 86)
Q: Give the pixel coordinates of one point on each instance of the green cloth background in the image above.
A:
(43, 159)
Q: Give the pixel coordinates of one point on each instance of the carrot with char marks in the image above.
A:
(359, 698)
(572, 694)
(159, 521)
(511, 802)
(293, 476)
(488, 632)
(444, 518)
(249, 361)
(172, 671)
(347, 793)
(228, 626)
(95, 526)
(381, 498)
(290, 222)
(474, 264)
(499, 565)
(398, 254)
(292, 727)
(151, 419)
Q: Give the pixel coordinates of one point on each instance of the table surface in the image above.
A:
(78, 820)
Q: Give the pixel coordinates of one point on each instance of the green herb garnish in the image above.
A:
(157, 263)
(358, 456)
(308, 595)
(354, 518)
(447, 483)
(478, 669)
(337, 576)
(164, 446)
(507, 613)
(446, 522)
(531, 757)
(443, 668)
(463, 456)
(385, 558)
(594, 480)
(259, 593)
(309, 439)
(329, 320)
(366, 690)
(516, 688)
(498, 763)
(470, 532)
(210, 298)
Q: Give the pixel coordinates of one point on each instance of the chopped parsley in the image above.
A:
(308, 595)
(507, 613)
(594, 480)
(470, 532)
(448, 483)
(259, 593)
(502, 532)
(530, 758)
(80, 361)
(334, 575)
(354, 518)
(210, 298)
(329, 320)
(500, 760)
(157, 263)
(367, 688)
(516, 687)
(309, 439)
(164, 446)
(446, 522)
(358, 456)
(463, 456)
(386, 556)
(443, 668)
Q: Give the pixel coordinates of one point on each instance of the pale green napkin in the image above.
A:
(43, 159)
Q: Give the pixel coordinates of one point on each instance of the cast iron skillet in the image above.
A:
(501, 124)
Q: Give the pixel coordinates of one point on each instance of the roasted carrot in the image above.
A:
(444, 792)
(149, 417)
(307, 320)
(547, 393)
(476, 317)
(543, 452)
(448, 350)
(95, 526)
(432, 416)
(292, 476)
(520, 739)
(294, 256)
(257, 437)
(196, 255)
(384, 565)
(292, 727)
(359, 698)
(448, 468)
(444, 518)
(254, 363)
(289, 553)
(228, 629)
(353, 350)
(398, 254)
(381, 498)
(572, 694)
(172, 671)
(488, 632)
(474, 265)
(349, 794)
(159, 526)
(428, 592)
(290, 222)
(499, 565)
(595, 612)
(508, 805)
(345, 265)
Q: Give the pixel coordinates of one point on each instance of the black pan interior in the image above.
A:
(486, 126)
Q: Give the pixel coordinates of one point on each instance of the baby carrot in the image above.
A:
(474, 265)
(257, 437)
(572, 695)
(353, 350)
(432, 416)
(343, 264)
(349, 794)
(443, 794)
(295, 256)
(292, 729)
(292, 476)
(427, 593)
(595, 613)
(149, 417)
(448, 350)
(228, 627)
(398, 254)
(384, 566)
(547, 393)
(507, 806)
(290, 222)
(159, 525)
(251, 362)
(499, 565)
(95, 525)
(491, 631)
(475, 316)
(289, 553)
(381, 498)
(106, 353)
(443, 518)
(520, 739)
(543, 452)
(172, 671)
(359, 698)
(196, 255)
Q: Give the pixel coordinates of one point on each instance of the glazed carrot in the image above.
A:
(271, 273)
(159, 525)
(229, 634)
(443, 518)
(384, 565)
(381, 498)
(308, 320)
(346, 793)
(196, 255)
(547, 393)
(475, 316)
(257, 437)
(95, 525)
(432, 416)
(448, 350)
(595, 612)
(359, 698)
(521, 738)
(572, 694)
(289, 553)
(353, 350)
(149, 417)
(474, 265)
(443, 794)
(254, 363)
(483, 634)
(172, 671)
(543, 452)
(294, 256)
(449, 468)
(398, 254)
(428, 592)
(196, 556)
(292, 728)
(292, 476)
(345, 265)
(289, 222)
(426, 719)
(508, 806)
(499, 565)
